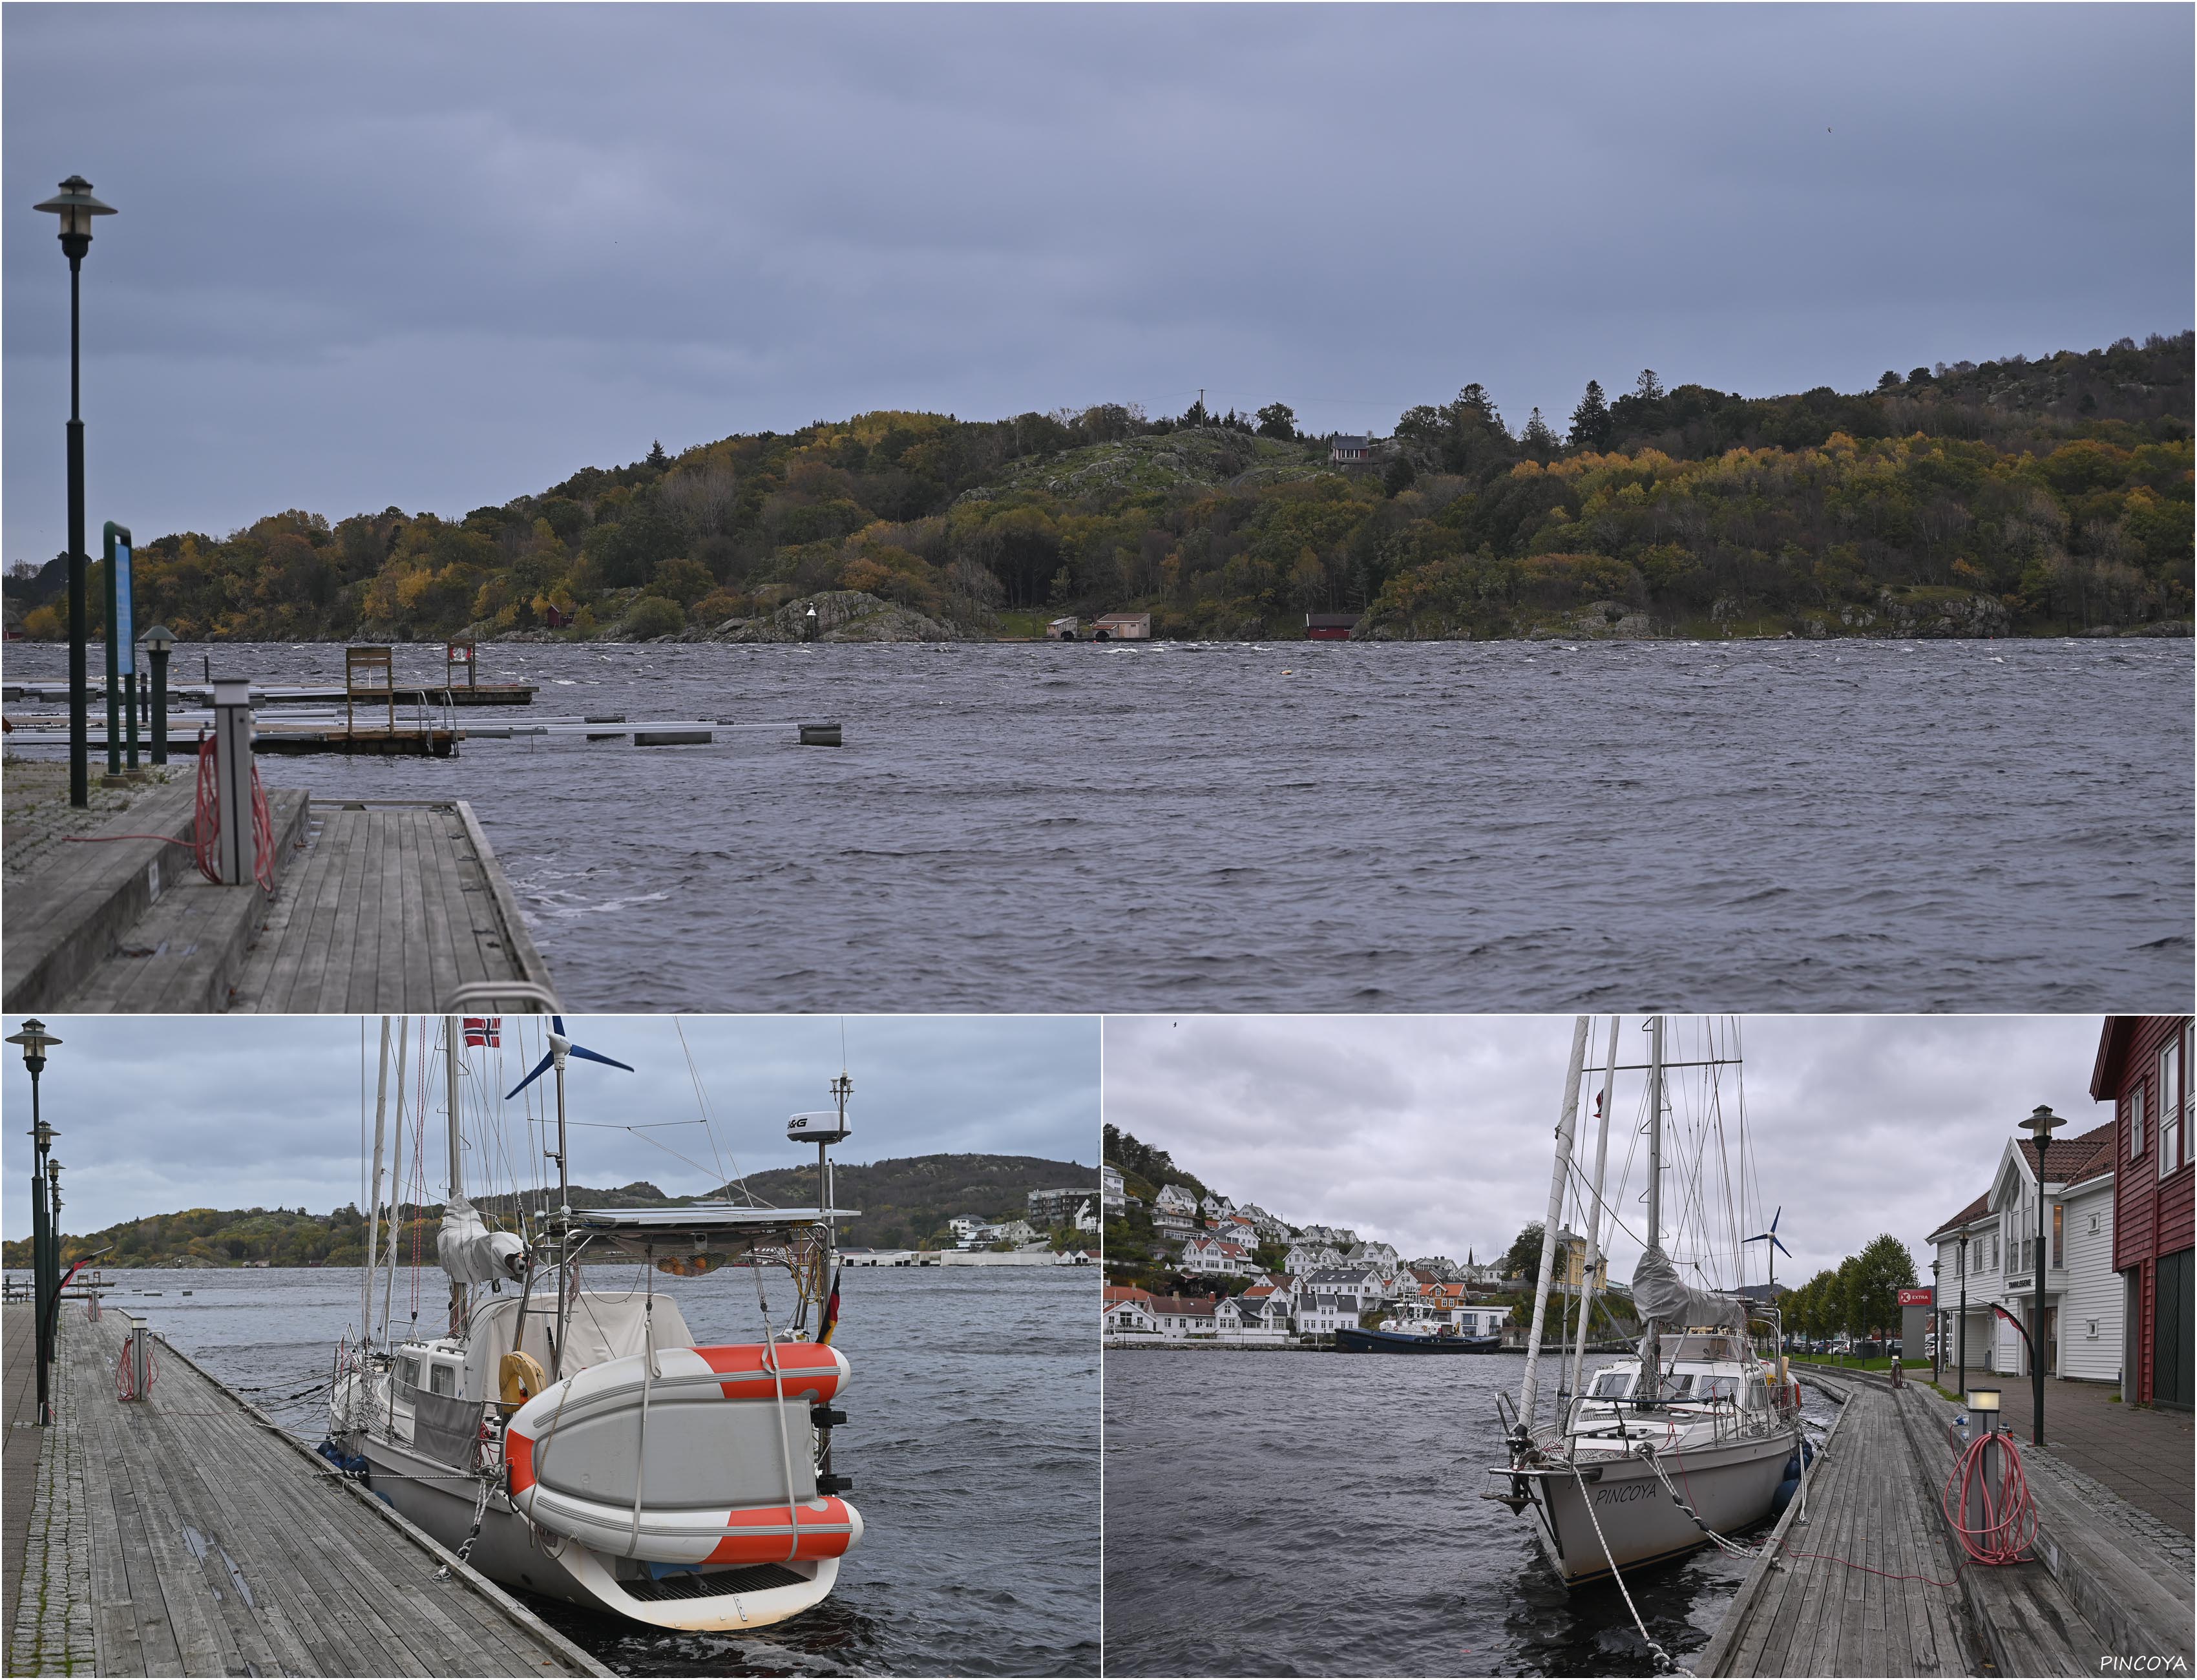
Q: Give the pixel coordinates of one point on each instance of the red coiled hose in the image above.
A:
(206, 832)
(126, 1371)
(2009, 1515)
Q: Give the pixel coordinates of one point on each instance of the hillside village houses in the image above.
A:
(1329, 1278)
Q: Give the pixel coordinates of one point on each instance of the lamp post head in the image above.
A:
(76, 206)
(2040, 1123)
(159, 638)
(35, 1040)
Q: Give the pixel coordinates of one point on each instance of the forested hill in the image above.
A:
(2011, 496)
(902, 1203)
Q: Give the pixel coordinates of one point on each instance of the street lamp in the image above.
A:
(36, 1040)
(76, 206)
(2040, 1123)
(1964, 1309)
(1937, 1326)
(158, 642)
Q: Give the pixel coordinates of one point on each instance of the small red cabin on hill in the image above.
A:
(2143, 1071)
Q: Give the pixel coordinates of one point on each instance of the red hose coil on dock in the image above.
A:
(2009, 1515)
(126, 1371)
(206, 831)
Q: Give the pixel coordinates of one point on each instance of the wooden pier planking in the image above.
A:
(194, 1496)
(1868, 1503)
(394, 906)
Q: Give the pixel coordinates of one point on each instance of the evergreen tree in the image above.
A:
(657, 458)
(1590, 420)
(1540, 442)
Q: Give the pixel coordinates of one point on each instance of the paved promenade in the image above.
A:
(2146, 1457)
(19, 1472)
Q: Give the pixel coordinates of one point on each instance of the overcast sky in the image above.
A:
(237, 1111)
(440, 256)
(1437, 1133)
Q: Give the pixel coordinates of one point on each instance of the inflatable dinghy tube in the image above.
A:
(709, 1458)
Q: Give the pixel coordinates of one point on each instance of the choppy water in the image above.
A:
(973, 1437)
(1476, 827)
(1288, 1513)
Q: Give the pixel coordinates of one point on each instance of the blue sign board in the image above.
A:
(124, 632)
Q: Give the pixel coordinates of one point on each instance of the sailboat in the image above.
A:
(1677, 1448)
(573, 1440)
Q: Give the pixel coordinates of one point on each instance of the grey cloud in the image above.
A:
(1435, 1133)
(169, 1112)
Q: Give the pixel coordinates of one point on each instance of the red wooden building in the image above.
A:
(1330, 626)
(2143, 1071)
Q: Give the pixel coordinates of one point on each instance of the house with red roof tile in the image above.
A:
(1988, 1255)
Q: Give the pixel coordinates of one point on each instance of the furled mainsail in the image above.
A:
(1660, 1298)
(472, 1254)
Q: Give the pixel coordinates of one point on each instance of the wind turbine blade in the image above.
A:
(1775, 1217)
(588, 1055)
(1782, 1249)
(540, 1069)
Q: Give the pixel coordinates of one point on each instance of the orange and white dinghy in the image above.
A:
(694, 1457)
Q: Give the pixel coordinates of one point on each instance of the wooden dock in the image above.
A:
(385, 905)
(309, 694)
(1870, 1580)
(189, 1534)
(395, 906)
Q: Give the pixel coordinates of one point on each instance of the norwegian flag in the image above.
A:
(485, 1030)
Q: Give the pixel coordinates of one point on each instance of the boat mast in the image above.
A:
(1594, 1210)
(450, 1029)
(1529, 1390)
(559, 1049)
(842, 1088)
(1651, 1370)
(373, 1207)
(396, 1186)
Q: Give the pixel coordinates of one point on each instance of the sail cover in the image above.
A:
(472, 1254)
(1660, 1298)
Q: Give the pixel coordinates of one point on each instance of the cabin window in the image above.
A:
(408, 1372)
(2135, 1123)
(439, 1379)
(1611, 1385)
(2170, 1106)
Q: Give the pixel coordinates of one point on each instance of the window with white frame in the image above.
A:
(2170, 1105)
(2136, 1122)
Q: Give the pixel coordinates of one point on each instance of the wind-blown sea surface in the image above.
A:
(1884, 826)
(1288, 1513)
(973, 1439)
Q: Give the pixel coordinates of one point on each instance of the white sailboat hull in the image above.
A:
(514, 1553)
(1625, 1517)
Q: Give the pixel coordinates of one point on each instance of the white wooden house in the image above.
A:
(1251, 1319)
(2082, 1295)
(1324, 1315)
(1182, 1317)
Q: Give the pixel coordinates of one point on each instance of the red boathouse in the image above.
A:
(2143, 1071)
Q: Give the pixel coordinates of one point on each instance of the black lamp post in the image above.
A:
(1938, 1327)
(159, 641)
(76, 206)
(36, 1040)
(1964, 1312)
(2040, 1122)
